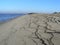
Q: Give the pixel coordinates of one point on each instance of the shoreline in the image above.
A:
(11, 18)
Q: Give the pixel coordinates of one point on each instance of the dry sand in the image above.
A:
(35, 29)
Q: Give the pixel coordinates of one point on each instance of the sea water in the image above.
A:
(5, 17)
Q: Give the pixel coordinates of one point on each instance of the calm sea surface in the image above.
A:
(5, 17)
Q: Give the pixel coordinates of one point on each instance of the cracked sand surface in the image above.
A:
(33, 29)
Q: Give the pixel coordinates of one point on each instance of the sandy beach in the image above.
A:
(33, 29)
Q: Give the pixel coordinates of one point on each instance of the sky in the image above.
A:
(45, 6)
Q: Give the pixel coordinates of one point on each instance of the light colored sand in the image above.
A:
(35, 29)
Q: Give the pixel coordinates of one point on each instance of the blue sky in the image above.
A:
(29, 5)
